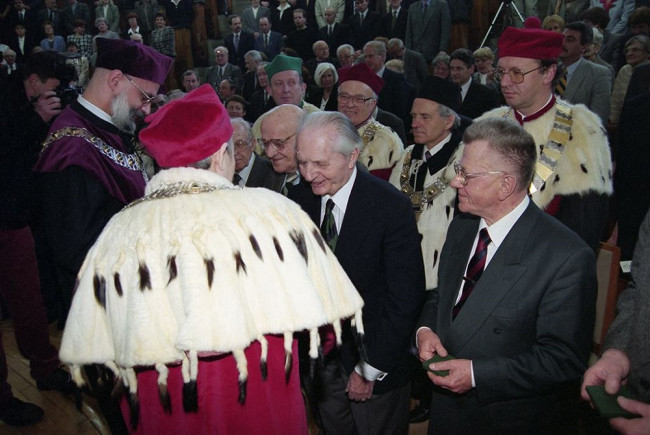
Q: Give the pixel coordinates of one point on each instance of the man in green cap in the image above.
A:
(285, 86)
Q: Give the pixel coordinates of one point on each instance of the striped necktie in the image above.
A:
(560, 88)
(474, 269)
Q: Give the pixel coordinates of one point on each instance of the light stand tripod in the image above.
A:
(507, 4)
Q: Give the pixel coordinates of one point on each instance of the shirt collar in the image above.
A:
(437, 147)
(244, 173)
(571, 68)
(521, 118)
(341, 197)
(94, 109)
(499, 230)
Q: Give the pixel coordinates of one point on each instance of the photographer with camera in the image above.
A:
(26, 109)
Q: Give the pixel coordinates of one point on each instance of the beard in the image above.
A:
(123, 114)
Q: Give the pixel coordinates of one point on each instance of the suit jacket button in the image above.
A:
(497, 331)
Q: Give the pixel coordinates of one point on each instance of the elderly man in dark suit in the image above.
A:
(371, 228)
(515, 300)
(251, 170)
(222, 70)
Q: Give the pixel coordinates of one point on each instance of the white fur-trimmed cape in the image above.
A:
(202, 272)
(586, 165)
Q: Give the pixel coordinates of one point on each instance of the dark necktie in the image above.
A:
(236, 179)
(561, 85)
(266, 40)
(235, 42)
(219, 75)
(474, 270)
(425, 4)
(427, 155)
(288, 181)
(328, 227)
(329, 30)
(361, 18)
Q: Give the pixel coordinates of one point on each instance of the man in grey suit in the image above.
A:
(586, 82)
(627, 350)
(251, 16)
(428, 27)
(222, 70)
(251, 170)
(518, 316)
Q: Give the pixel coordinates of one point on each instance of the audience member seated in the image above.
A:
(553, 23)
(222, 69)
(236, 106)
(357, 98)
(345, 55)
(227, 88)
(83, 42)
(322, 54)
(440, 65)
(190, 80)
(326, 78)
(52, 41)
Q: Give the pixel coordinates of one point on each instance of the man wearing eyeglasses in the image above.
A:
(278, 131)
(357, 99)
(573, 174)
(285, 86)
(515, 300)
(251, 170)
(87, 170)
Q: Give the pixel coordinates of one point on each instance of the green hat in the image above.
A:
(282, 62)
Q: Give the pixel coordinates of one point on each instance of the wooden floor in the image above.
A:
(61, 415)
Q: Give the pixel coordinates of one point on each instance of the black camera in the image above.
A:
(67, 71)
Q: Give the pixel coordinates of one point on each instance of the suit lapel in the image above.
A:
(576, 81)
(498, 279)
(355, 223)
(461, 245)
